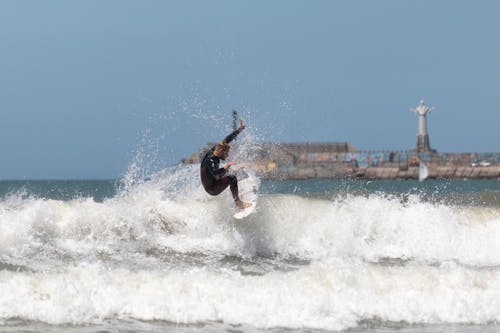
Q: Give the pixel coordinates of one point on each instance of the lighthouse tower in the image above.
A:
(423, 144)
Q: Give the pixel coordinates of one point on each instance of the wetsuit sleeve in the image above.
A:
(232, 136)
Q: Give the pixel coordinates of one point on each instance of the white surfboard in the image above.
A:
(247, 189)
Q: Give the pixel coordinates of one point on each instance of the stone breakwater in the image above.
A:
(436, 172)
(345, 170)
(281, 161)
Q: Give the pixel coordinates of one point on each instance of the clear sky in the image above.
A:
(85, 85)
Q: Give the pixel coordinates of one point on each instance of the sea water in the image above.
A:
(161, 255)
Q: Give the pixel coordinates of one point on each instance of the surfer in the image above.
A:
(214, 178)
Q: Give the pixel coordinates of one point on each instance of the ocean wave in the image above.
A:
(331, 296)
(157, 216)
(164, 250)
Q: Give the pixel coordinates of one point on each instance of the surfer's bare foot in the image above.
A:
(241, 204)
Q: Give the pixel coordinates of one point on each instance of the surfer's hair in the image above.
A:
(222, 146)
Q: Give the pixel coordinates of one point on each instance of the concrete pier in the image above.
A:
(340, 160)
(437, 172)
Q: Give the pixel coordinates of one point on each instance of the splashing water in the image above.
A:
(164, 250)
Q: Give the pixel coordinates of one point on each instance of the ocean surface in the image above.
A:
(160, 255)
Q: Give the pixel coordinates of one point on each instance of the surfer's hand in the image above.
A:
(228, 165)
(242, 124)
(239, 167)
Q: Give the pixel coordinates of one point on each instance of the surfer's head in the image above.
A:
(222, 150)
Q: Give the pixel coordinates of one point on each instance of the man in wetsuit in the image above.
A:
(214, 178)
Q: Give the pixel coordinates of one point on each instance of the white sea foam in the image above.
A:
(380, 227)
(289, 226)
(353, 259)
(326, 296)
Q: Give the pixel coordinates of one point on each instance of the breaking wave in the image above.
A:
(164, 250)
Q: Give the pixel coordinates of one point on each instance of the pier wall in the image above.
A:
(342, 160)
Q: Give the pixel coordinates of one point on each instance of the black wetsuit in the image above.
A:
(214, 178)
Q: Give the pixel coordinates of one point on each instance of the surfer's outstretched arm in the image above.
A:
(235, 133)
(226, 141)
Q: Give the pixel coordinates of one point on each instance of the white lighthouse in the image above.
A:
(423, 144)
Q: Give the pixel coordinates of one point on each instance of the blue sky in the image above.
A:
(84, 85)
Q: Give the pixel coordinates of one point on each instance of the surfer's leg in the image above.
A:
(219, 186)
(233, 185)
(232, 182)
